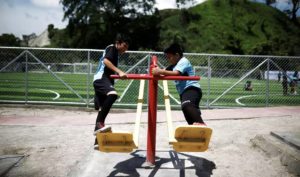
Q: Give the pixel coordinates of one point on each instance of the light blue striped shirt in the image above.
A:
(186, 69)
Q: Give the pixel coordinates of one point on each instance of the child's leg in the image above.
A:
(98, 100)
(191, 113)
(190, 100)
(106, 96)
(107, 104)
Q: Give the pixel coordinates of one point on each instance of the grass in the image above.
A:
(45, 87)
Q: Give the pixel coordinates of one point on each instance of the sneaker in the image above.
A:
(103, 130)
(99, 125)
(96, 146)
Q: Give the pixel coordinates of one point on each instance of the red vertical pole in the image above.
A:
(152, 112)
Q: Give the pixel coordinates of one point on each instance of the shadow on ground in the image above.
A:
(180, 161)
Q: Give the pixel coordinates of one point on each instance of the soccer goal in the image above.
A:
(83, 68)
(203, 71)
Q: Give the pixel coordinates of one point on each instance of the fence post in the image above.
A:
(268, 83)
(149, 63)
(26, 78)
(208, 81)
(88, 80)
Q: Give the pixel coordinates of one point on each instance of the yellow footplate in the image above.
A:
(115, 142)
(192, 138)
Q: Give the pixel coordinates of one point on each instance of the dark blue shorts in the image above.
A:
(102, 87)
(191, 95)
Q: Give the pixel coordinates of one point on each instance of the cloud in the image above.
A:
(29, 16)
(10, 3)
(171, 4)
(200, 1)
(165, 4)
(26, 18)
(46, 3)
(282, 6)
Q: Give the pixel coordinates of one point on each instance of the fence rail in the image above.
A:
(65, 76)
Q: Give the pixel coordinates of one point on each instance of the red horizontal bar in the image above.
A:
(178, 78)
(148, 77)
(134, 76)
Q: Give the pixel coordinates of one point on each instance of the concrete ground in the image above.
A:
(37, 142)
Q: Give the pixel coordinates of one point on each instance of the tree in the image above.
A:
(9, 40)
(51, 31)
(95, 23)
(269, 2)
(296, 5)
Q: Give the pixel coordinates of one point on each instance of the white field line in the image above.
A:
(57, 94)
(237, 100)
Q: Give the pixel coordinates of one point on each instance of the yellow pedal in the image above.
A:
(192, 138)
(116, 142)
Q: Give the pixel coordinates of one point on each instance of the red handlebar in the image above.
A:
(149, 77)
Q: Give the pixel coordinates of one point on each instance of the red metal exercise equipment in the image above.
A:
(152, 103)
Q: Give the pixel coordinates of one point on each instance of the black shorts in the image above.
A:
(191, 95)
(102, 87)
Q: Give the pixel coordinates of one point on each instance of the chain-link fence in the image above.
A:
(65, 76)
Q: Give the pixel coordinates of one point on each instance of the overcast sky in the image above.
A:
(27, 16)
(33, 16)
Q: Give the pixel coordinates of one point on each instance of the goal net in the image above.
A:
(203, 71)
(67, 68)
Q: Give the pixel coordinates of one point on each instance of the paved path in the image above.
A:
(58, 142)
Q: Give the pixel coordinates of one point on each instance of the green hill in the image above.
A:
(232, 27)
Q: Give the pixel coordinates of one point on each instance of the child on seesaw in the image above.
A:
(189, 90)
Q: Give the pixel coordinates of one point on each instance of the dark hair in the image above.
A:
(174, 49)
(122, 38)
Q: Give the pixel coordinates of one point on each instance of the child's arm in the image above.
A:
(114, 68)
(158, 71)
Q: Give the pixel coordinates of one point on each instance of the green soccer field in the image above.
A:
(78, 88)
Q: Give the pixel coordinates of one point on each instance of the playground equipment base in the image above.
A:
(191, 138)
(116, 142)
